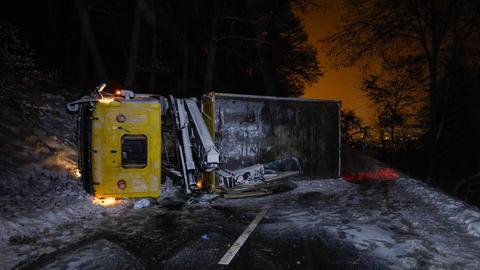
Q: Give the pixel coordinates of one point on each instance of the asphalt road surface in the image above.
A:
(322, 224)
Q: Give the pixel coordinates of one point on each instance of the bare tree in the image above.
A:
(352, 125)
(212, 48)
(154, 46)
(89, 38)
(134, 40)
(432, 31)
(397, 96)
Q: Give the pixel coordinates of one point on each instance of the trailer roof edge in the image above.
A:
(274, 98)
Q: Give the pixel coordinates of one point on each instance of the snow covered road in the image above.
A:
(401, 224)
(405, 224)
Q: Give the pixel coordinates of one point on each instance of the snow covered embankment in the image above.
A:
(456, 210)
(39, 186)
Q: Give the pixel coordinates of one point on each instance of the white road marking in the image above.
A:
(227, 258)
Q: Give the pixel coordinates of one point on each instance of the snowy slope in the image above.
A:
(36, 135)
(40, 192)
(38, 167)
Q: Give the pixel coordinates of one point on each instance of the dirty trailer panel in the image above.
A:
(257, 129)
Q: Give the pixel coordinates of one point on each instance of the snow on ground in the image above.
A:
(60, 216)
(65, 220)
(401, 224)
(405, 223)
(37, 147)
(40, 193)
(456, 210)
(98, 255)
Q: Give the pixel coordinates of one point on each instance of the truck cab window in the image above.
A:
(134, 151)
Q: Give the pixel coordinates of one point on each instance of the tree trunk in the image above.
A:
(212, 50)
(392, 141)
(267, 75)
(83, 64)
(133, 55)
(185, 58)
(153, 73)
(90, 40)
(432, 143)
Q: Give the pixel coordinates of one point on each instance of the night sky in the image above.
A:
(339, 84)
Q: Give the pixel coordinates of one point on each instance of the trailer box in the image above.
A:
(251, 129)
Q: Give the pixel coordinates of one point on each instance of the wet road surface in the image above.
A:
(327, 224)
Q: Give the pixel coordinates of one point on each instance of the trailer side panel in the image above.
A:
(255, 129)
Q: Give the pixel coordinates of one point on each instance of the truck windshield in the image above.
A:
(134, 151)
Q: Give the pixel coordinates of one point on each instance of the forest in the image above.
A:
(424, 90)
(420, 62)
(397, 190)
(181, 47)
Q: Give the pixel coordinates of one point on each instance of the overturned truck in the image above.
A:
(220, 141)
(257, 129)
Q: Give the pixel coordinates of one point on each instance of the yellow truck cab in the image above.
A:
(120, 145)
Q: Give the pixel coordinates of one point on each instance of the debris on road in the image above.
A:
(239, 195)
(207, 197)
(272, 183)
(381, 173)
(259, 179)
(142, 203)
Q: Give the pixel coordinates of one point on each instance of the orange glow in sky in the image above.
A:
(338, 84)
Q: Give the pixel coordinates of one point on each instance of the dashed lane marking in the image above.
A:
(230, 254)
